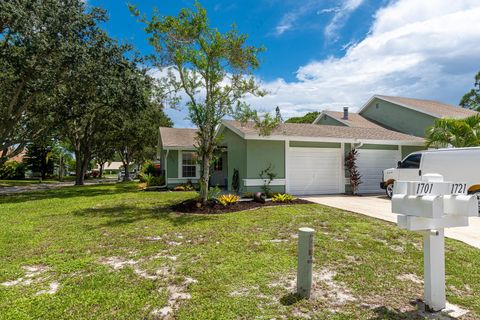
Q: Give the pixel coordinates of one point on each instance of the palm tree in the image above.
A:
(456, 133)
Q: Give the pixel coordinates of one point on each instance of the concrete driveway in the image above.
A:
(379, 206)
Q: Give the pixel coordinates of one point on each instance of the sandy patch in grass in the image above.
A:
(53, 288)
(32, 274)
(153, 238)
(409, 277)
(324, 287)
(176, 293)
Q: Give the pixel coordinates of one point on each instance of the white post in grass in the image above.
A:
(434, 269)
(305, 262)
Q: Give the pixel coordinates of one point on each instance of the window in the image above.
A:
(412, 162)
(189, 164)
(218, 165)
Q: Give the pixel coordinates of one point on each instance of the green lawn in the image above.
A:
(112, 252)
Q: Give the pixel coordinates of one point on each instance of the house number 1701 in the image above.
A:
(424, 188)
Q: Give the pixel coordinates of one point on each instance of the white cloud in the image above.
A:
(424, 49)
(289, 20)
(341, 15)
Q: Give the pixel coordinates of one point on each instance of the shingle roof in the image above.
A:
(326, 131)
(175, 137)
(439, 109)
(354, 119)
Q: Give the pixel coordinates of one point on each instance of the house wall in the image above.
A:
(172, 163)
(327, 120)
(261, 154)
(307, 144)
(398, 118)
(237, 156)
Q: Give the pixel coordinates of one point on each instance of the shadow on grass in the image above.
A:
(125, 214)
(388, 313)
(290, 299)
(68, 192)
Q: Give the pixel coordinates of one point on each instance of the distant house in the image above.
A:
(309, 158)
(113, 166)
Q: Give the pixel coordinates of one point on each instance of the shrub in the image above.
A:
(228, 199)
(248, 195)
(151, 180)
(214, 192)
(149, 168)
(12, 170)
(179, 188)
(283, 197)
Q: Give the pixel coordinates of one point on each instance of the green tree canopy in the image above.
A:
(454, 132)
(36, 54)
(307, 118)
(211, 69)
(471, 99)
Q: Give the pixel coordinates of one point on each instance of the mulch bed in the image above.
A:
(190, 206)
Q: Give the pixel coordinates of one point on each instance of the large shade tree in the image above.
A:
(102, 82)
(136, 136)
(471, 99)
(210, 69)
(35, 50)
(454, 133)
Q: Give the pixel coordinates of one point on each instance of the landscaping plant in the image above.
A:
(285, 197)
(214, 192)
(267, 175)
(228, 199)
(354, 175)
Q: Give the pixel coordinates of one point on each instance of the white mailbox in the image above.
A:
(430, 206)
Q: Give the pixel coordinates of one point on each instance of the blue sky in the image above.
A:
(329, 54)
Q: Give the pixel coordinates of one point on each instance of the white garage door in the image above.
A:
(314, 171)
(371, 164)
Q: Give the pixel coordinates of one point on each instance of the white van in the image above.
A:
(455, 164)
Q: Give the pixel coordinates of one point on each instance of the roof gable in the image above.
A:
(172, 138)
(354, 119)
(430, 107)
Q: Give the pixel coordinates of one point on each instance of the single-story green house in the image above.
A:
(307, 158)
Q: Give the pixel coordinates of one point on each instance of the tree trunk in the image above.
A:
(43, 166)
(61, 169)
(100, 172)
(79, 175)
(126, 169)
(81, 161)
(204, 179)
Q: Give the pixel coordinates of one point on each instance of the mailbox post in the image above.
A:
(429, 206)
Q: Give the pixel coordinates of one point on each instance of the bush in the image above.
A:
(213, 193)
(179, 188)
(228, 199)
(149, 168)
(283, 197)
(248, 195)
(12, 170)
(151, 180)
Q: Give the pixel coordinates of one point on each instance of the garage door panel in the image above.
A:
(371, 164)
(313, 171)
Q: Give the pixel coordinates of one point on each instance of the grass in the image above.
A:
(118, 253)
